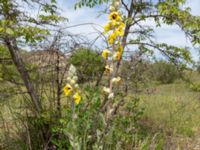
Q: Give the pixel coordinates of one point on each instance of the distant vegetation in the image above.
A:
(89, 64)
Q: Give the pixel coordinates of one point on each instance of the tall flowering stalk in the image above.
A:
(115, 30)
(72, 88)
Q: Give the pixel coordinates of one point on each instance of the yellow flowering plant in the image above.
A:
(105, 53)
(72, 88)
(94, 109)
(77, 98)
(115, 30)
(67, 89)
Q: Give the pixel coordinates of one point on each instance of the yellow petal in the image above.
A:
(77, 98)
(107, 27)
(105, 53)
(67, 89)
(115, 16)
(114, 22)
(121, 25)
(119, 31)
(117, 56)
(112, 37)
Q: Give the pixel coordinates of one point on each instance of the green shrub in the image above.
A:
(198, 67)
(85, 126)
(136, 72)
(89, 64)
(195, 87)
(164, 72)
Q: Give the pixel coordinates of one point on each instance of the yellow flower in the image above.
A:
(115, 16)
(105, 53)
(112, 37)
(121, 25)
(117, 56)
(107, 27)
(114, 23)
(108, 69)
(67, 89)
(77, 98)
(119, 31)
(110, 40)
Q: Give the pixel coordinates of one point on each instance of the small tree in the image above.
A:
(89, 64)
(164, 72)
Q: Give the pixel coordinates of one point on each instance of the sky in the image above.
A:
(164, 34)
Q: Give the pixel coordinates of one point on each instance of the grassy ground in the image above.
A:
(173, 110)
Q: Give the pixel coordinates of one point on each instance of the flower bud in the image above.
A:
(68, 78)
(108, 69)
(70, 74)
(116, 4)
(72, 81)
(76, 86)
(106, 90)
(72, 69)
(111, 96)
(112, 8)
(75, 78)
(116, 80)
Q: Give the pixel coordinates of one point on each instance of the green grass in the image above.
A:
(173, 109)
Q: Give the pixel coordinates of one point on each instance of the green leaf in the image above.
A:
(160, 144)
(146, 144)
(1, 30)
(9, 31)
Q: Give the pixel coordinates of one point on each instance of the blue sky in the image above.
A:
(168, 34)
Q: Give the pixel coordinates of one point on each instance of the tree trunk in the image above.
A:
(14, 51)
(58, 83)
